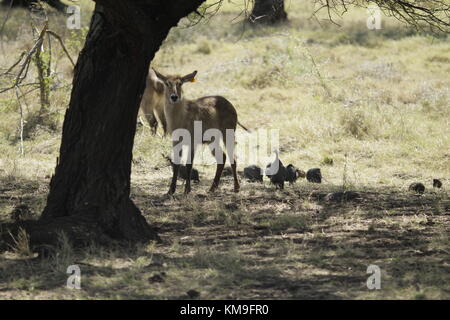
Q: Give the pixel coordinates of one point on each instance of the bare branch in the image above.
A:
(421, 14)
(62, 45)
(25, 65)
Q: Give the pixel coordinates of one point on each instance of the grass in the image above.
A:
(369, 107)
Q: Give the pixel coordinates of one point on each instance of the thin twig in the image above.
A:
(21, 121)
(16, 63)
(62, 45)
(21, 75)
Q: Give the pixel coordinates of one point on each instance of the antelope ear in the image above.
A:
(160, 76)
(189, 78)
(155, 81)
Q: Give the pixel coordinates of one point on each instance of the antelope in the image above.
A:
(152, 103)
(214, 112)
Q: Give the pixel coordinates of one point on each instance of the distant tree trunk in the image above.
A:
(268, 12)
(89, 194)
(26, 3)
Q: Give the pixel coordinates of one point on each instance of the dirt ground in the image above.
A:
(258, 244)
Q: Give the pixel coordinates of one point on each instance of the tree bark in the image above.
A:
(268, 12)
(90, 190)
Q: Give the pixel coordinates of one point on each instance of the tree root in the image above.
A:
(81, 230)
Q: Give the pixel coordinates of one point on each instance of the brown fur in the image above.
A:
(215, 112)
(152, 103)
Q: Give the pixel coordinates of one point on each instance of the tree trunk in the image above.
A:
(268, 12)
(91, 186)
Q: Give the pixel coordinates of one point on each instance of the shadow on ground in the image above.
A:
(261, 243)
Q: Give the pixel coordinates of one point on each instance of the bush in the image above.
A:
(356, 124)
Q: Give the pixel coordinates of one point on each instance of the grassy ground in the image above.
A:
(375, 102)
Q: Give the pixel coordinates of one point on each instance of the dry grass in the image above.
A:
(258, 244)
(371, 108)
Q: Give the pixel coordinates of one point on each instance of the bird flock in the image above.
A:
(275, 171)
(283, 174)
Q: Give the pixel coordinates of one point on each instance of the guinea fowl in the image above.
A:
(314, 175)
(292, 174)
(253, 173)
(276, 172)
(182, 172)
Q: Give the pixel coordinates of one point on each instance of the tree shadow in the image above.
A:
(204, 249)
(27, 194)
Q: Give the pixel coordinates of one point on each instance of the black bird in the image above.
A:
(292, 174)
(182, 171)
(278, 177)
(437, 183)
(417, 187)
(314, 175)
(253, 173)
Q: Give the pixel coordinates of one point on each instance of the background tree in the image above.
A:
(431, 14)
(268, 12)
(425, 14)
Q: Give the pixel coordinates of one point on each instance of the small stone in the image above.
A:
(334, 196)
(193, 294)
(153, 265)
(417, 187)
(156, 278)
(317, 195)
(231, 206)
(342, 196)
(351, 195)
(437, 183)
(314, 175)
